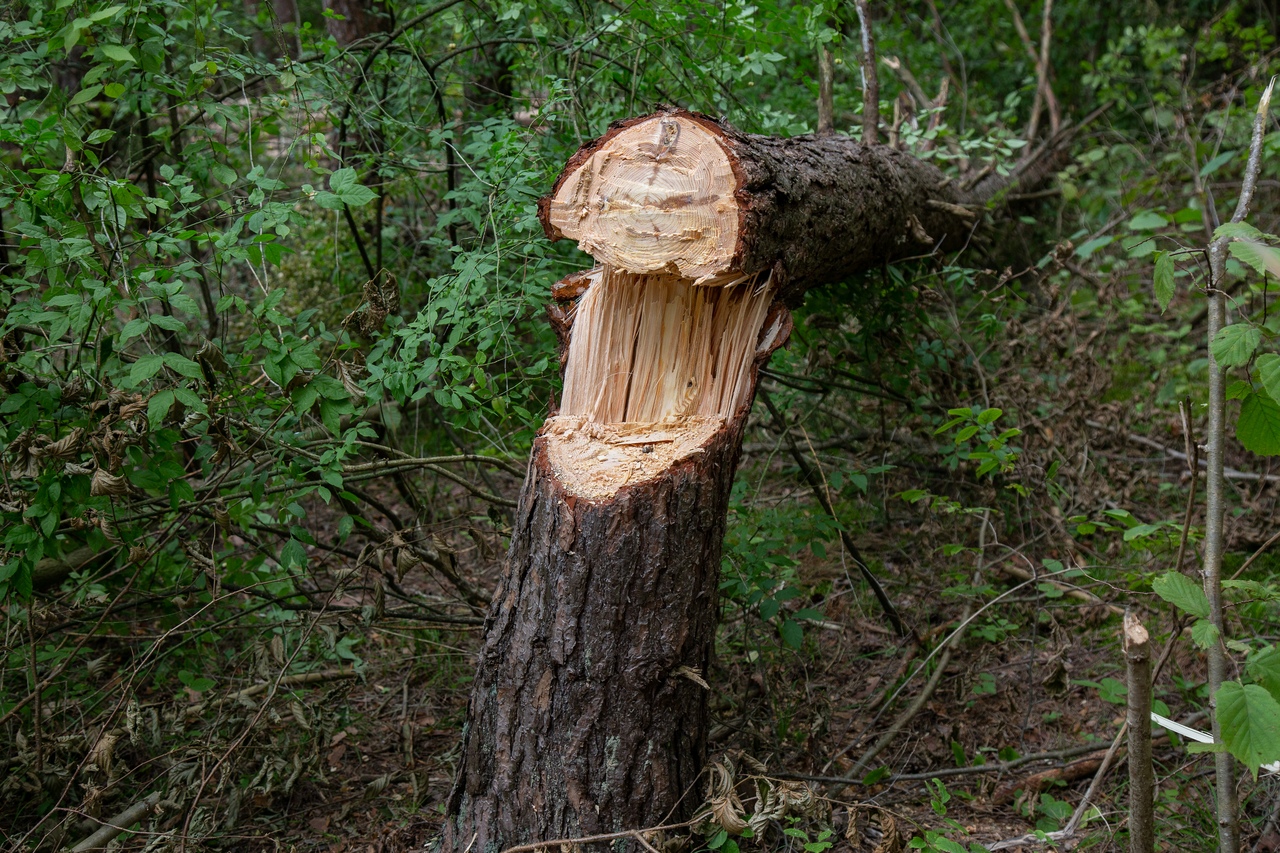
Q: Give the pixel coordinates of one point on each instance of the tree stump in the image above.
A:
(588, 714)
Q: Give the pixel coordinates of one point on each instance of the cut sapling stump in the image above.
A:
(588, 713)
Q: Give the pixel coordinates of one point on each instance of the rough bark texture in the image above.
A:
(587, 715)
(579, 722)
(818, 209)
(583, 719)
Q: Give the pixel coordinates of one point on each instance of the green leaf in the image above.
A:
(116, 52)
(1148, 221)
(293, 554)
(329, 201)
(104, 14)
(113, 90)
(1264, 668)
(85, 94)
(1217, 163)
(197, 683)
(1205, 634)
(343, 179)
(157, 407)
(1249, 718)
(223, 174)
(1234, 344)
(144, 368)
(1269, 373)
(1265, 259)
(1163, 279)
(1258, 428)
(132, 329)
(358, 196)
(1237, 230)
(792, 633)
(1183, 593)
(346, 186)
(183, 365)
(1239, 389)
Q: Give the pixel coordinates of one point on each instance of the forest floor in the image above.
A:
(1014, 732)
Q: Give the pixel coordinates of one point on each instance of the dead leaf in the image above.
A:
(892, 841)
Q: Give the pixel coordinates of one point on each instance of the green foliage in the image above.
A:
(932, 841)
(1250, 719)
(977, 425)
(244, 268)
(760, 561)
(1183, 593)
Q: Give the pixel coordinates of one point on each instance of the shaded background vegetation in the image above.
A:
(272, 351)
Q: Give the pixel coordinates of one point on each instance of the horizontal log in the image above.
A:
(681, 193)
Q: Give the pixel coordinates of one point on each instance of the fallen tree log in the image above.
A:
(588, 714)
(682, 193)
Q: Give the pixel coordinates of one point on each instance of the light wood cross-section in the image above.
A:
(656, 197)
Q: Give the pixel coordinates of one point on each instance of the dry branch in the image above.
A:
(870, 77)
(118, 824)
(826, 81)
(1066, 589)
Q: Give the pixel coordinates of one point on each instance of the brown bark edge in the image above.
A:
(583, 719)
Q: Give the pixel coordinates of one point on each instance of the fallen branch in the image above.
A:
(1256, 554)
(300, 680)
(814, 479)
(1036, 782)
(948, 645)
(1228, 473)
(975, 770)
(118, 824)
(1066, 589)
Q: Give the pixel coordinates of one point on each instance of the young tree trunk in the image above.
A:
(588, 714)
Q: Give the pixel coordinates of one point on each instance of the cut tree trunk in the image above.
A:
(588, 714)
(589, 710)
(682, 193)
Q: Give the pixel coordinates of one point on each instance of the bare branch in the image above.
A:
(826, 107)
(870, 79)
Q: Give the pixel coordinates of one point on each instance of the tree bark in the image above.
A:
(812, 209)
(1137, 653)
(588, 713)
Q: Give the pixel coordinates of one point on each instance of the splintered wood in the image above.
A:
(658, 196)
(646, 348)
(656, 366)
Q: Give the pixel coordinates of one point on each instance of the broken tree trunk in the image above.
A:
(679, 192)
(588, 714)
